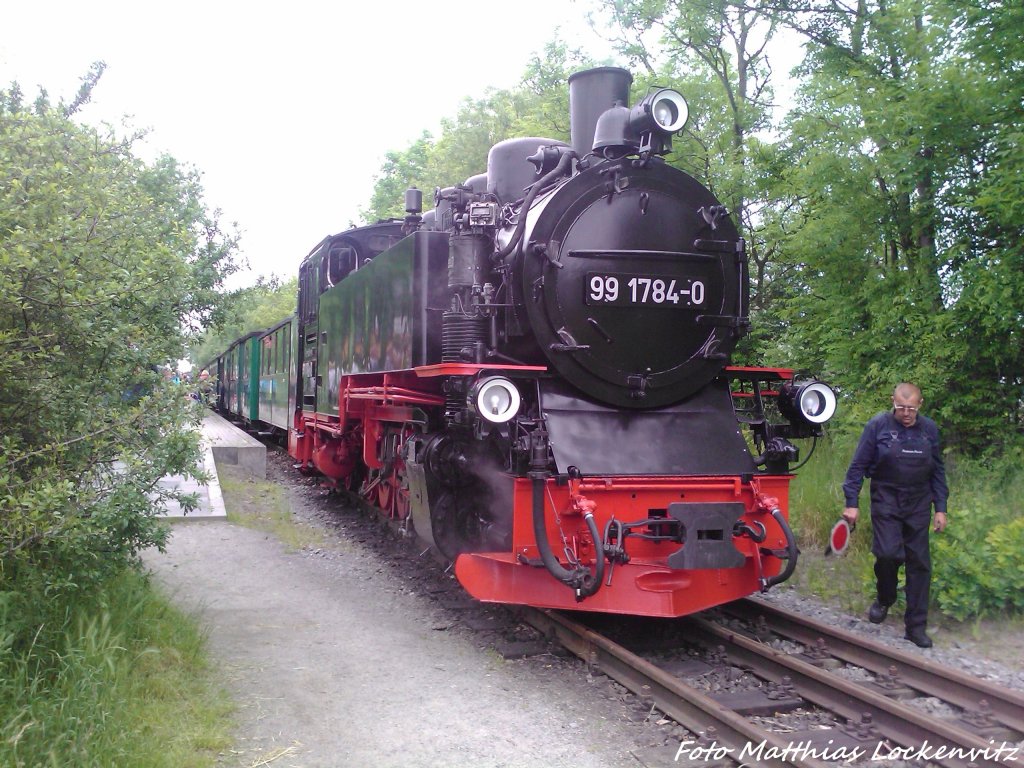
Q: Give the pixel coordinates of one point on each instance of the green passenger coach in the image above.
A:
(275, 358)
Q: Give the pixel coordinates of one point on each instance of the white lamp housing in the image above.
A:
(816, 402)
(494, 399)
(669, 110)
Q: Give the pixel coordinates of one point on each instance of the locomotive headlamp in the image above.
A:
(494, 399)
(663, 110)
(812, 402)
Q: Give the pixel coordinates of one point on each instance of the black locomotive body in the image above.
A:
(533, 376)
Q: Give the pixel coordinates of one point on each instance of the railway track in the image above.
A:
(985, 704)
(873, 719)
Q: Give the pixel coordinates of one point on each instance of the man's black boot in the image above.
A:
(918, 637)
(877, 612)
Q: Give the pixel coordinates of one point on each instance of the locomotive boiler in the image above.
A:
(534, 376)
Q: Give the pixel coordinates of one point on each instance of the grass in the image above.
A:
(123, 679)
(128, 684)
(264, 506)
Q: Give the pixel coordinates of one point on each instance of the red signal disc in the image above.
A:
(839, 539)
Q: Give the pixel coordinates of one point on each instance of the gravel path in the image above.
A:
(345, 656)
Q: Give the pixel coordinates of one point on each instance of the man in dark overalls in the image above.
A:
(900, 451)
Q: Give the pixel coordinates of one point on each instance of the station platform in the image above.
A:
(225, 445)
(233, 447)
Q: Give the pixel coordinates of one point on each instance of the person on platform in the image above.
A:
(204, 388)
(900, 451)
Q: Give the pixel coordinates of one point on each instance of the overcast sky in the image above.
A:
(286, 109)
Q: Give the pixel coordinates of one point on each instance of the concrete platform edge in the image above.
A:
(213, 489)
(209, 494)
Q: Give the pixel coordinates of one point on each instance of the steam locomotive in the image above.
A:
(534, 375)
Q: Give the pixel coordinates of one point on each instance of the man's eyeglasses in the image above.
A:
(906, 408)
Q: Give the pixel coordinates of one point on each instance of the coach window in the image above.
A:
(341, 262)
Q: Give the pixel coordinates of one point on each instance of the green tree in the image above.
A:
(249, 309)
(906, 263)
(987, 226)
(538, 106)
(400, 171)
(105, 264)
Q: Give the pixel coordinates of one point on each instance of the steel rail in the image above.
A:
(905, 725)
(950, 685)
(686, 705)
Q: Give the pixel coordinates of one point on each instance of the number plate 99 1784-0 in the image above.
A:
(625, 290)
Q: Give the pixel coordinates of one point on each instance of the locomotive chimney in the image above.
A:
(591, 92)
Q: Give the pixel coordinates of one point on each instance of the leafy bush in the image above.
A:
(106, 266)
(978, 563)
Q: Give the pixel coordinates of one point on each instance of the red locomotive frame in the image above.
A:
(378, 412)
